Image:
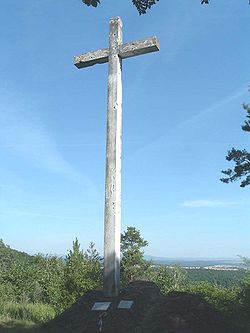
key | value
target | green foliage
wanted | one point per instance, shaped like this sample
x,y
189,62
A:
x,y
244,296
241,169
50,279
7,292
92,3
141,5
133,265
241,158
8,256
246,126
36,289
39,281
82,272
216,277
21,276
48,272
223,299
131,241
93,263
169,278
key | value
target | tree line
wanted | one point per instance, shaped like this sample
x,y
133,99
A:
x,y
45,285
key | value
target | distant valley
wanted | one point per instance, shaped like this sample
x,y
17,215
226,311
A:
x,y
209,263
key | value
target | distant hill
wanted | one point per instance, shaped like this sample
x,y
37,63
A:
x,y
196,262
9,255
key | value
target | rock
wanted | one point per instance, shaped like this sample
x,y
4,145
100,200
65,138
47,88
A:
x,y
181,312
150,313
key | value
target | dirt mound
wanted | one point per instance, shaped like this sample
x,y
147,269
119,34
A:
x,y
150,313
185,313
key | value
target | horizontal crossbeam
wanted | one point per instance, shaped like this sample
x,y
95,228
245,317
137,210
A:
x,y
139,47
91,58
126,50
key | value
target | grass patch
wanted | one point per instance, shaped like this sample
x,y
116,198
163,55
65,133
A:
x,y
17,326
24,317
27,312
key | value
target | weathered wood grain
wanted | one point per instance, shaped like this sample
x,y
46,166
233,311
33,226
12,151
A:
x,y
126,50
91,58
139,47
112,216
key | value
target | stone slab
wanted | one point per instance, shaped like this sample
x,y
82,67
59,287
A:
x,y
101,306
125,304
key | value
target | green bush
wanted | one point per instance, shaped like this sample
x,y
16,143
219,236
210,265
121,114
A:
x,y
169,278
244,297
82,273
49,280
7,293
223,299
38,282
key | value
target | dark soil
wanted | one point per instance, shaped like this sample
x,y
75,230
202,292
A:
x,y
150,313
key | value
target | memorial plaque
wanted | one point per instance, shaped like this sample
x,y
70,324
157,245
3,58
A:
x,y
125,304
101,306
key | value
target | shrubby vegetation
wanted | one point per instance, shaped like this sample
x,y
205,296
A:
x,y
224,299
82,272
36,288
244,294
219,278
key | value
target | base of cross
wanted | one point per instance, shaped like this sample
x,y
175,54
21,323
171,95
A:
x,y
140,308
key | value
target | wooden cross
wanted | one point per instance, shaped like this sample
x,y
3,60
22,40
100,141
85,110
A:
x,y
114,55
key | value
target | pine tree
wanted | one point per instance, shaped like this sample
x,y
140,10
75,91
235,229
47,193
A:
x,y
241,158
82,272
133,265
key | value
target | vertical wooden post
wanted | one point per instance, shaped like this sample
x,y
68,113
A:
x,y
112,219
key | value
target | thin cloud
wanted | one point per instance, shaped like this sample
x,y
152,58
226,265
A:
x,y
209,203
175,38
26,136
217,105
198,117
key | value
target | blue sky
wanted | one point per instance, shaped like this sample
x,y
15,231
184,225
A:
x,y
181,114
